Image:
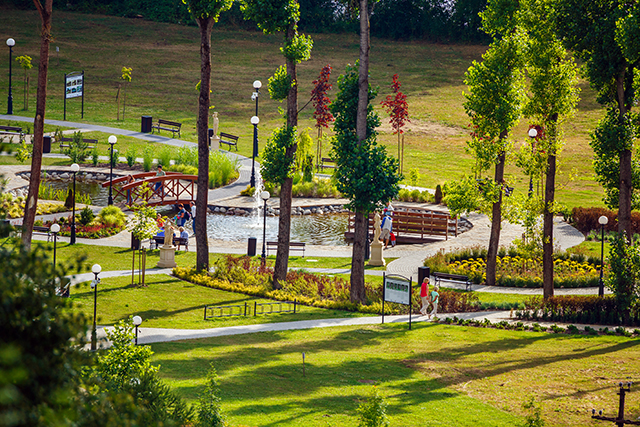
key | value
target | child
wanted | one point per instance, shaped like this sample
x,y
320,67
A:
x,y
435,296
424,295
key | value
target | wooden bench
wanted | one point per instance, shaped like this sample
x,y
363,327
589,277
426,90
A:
x,y
12,131
159,240
43,230
456,278
168,126
85,141
324,166
293,246
230,140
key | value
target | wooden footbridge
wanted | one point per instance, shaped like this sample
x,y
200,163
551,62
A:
x,y
146,187
415,225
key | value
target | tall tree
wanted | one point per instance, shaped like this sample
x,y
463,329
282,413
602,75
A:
x,y
321,104
494,104
398,109
605,34
206,13
38,124
364,173
552,98
273,16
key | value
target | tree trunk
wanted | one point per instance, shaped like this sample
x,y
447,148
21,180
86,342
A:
x,y
202,243
38,124
496,220
360,228
547,228
284,221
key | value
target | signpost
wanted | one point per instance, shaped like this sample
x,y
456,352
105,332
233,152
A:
x,y
396,289
73,88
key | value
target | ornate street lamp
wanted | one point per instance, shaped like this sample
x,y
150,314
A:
x,y
603,220
55,229
112,141
137,321
254,121
264,196
74,168
533,133
10,42
96,269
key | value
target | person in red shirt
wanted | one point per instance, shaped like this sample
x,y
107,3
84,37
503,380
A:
x,y
424,295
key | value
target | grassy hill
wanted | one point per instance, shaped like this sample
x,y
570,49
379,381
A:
x,y
165,62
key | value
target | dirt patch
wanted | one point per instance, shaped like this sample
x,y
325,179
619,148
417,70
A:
x,y
430,129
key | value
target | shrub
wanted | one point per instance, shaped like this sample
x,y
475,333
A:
x,y
438,195
187,156
248,192
86,216
131,155
112,216
95,156
586,219
164,157
222,169
373,412
185,169
147,158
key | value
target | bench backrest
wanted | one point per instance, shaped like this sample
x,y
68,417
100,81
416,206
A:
x,y
11,128
328,160
226,135
88,141
170,123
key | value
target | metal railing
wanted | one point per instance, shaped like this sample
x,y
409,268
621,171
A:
x,y
246,309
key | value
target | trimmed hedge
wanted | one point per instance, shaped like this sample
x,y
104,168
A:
x,y
586,219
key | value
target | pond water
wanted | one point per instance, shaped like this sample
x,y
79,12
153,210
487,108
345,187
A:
x,y
99,195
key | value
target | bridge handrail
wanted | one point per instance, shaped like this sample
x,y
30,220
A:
x,y
137,176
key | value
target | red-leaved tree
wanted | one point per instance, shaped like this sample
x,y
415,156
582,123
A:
x,y
321,106
398,109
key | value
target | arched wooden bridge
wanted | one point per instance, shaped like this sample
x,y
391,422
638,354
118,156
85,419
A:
x,y
135,189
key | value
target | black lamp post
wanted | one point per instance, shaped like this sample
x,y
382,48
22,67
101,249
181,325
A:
x,y
10,42
72,240
254,121
264,196
55,229
112,141
533,133
137,321
96,269
603,220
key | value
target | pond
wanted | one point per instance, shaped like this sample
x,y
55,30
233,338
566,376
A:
x,y
99,195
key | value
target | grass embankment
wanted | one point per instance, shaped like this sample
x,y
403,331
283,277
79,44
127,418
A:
x,y
431,376
166,68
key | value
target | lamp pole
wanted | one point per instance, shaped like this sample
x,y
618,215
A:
x,y
10,42
264,196
603,220
254,121
137,321
112,141
533,133
96,269
72,241
55,229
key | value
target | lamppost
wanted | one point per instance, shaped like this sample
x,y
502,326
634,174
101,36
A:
x,y
10,42
137,320
533,133
254,121
55,229
112,141
264,196
603,220
74,168
96,269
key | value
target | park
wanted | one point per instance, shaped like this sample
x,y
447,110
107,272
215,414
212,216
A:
x,y
505,195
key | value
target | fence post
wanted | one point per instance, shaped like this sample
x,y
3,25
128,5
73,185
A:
x,y
255,308
294,306
205,312
245,309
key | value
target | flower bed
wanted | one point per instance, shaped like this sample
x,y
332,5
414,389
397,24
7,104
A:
x,y
513,270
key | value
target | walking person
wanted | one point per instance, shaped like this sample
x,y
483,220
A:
x,y
424,295
435,297
386,226
160,172
193,216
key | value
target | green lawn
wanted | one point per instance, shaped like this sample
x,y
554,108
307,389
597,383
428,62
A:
x,y
166,68
434,375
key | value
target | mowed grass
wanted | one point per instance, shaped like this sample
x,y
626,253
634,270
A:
x,y
165,62
433,375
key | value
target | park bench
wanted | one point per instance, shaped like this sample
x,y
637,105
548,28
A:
x,y
293,246
167,125
230,140
456,278
12,131
43,230
331,163
159,240
62,142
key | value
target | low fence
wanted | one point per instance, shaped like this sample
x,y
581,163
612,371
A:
x,y
248,309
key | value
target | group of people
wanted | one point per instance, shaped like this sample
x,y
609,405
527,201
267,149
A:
x,y
429,298
181,232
